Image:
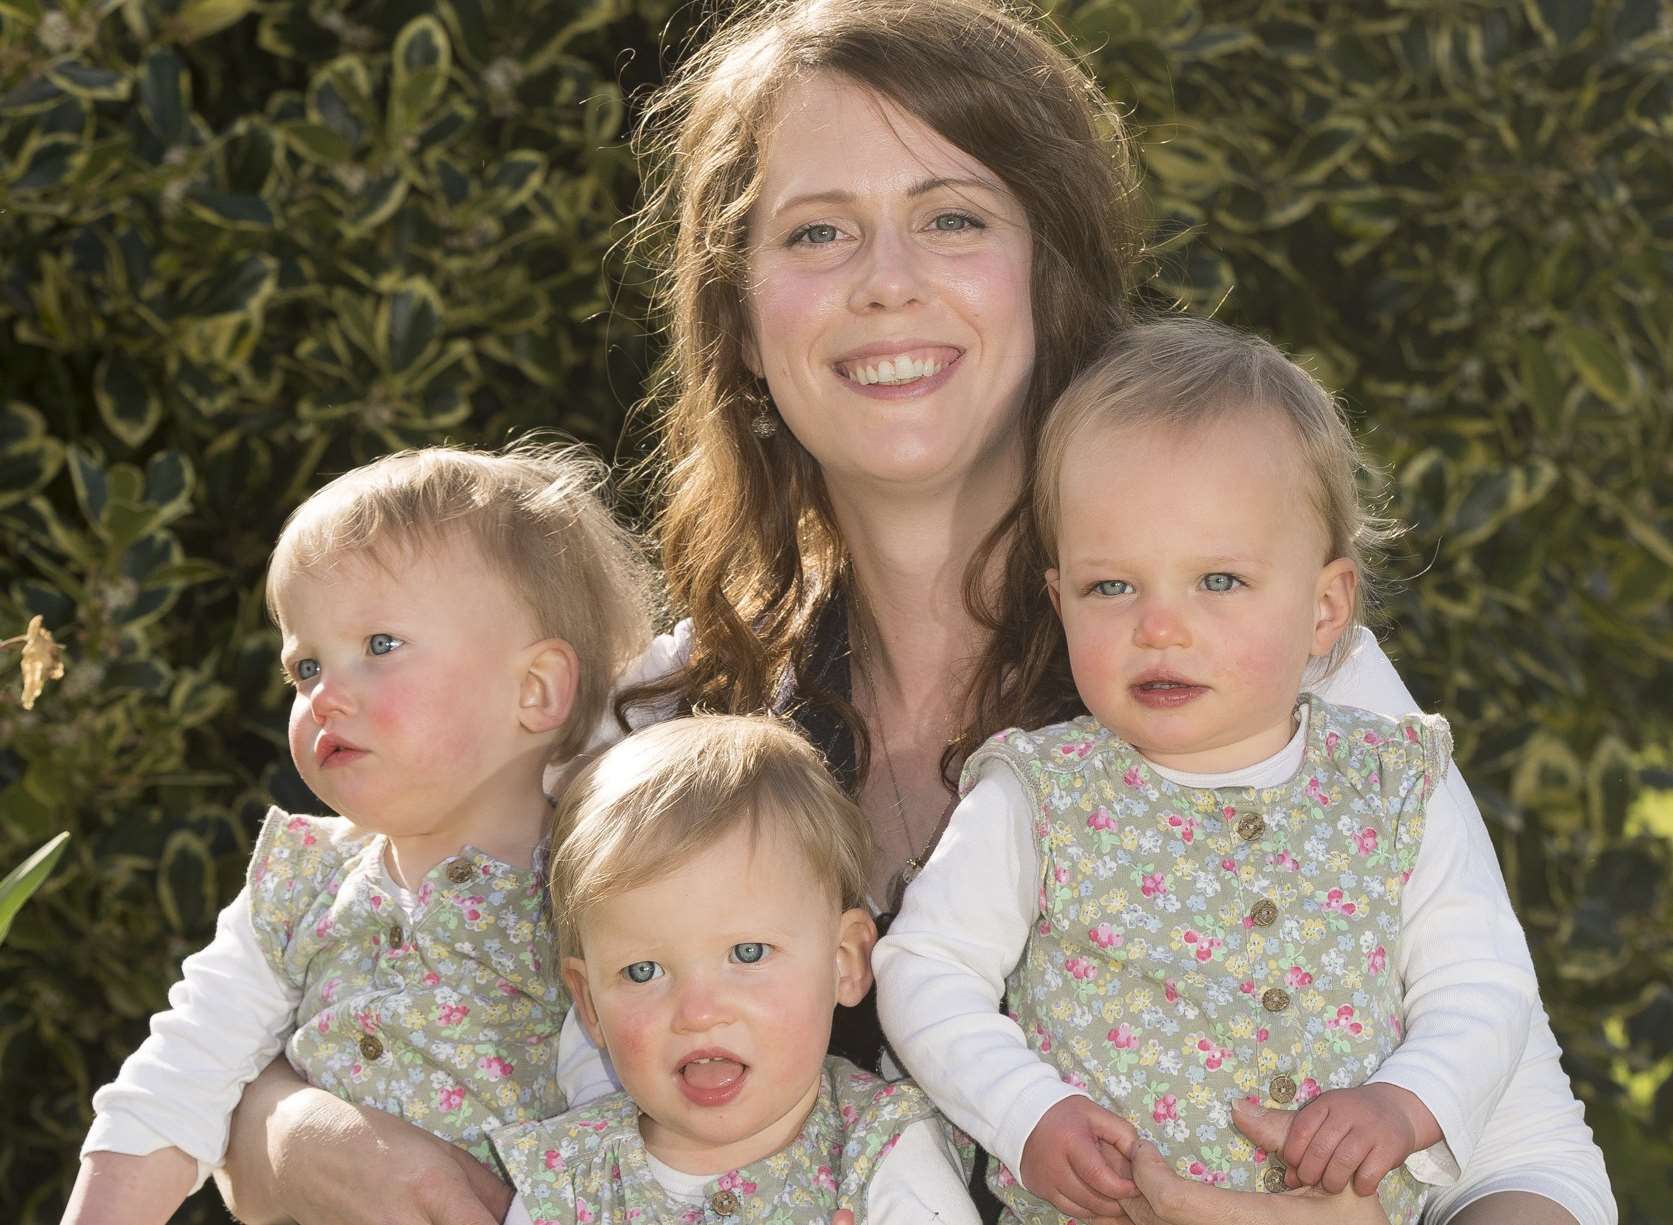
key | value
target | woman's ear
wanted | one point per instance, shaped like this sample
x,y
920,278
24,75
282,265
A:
x,y
1333,601
575,978
1053,589
547,691
856,933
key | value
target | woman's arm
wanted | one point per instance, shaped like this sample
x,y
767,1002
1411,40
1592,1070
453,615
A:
x,y
300,1154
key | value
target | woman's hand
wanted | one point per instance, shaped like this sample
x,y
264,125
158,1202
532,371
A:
x,y
300,1154
1166,1198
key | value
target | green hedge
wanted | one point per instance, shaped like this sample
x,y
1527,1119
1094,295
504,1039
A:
x,y
242,248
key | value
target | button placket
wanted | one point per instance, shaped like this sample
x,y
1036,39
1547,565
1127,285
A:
x,y
724,1203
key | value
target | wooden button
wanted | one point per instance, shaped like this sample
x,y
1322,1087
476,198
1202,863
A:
x,y
460,871
725,1203
1275,999
1250,826
1265,913
395,936
1282,1089
1272,1178
370,1047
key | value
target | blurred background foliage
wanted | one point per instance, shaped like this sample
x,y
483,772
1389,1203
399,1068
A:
x,y
246,245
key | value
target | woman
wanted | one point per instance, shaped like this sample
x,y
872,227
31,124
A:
x,y
892,230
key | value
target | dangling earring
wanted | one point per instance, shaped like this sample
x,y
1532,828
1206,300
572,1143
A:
x,y
764,422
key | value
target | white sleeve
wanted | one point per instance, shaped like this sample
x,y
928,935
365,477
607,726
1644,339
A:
x,y
518,1215
227,1017
1470,990
921,1179
667,653
941,971
1537,1141
584,1071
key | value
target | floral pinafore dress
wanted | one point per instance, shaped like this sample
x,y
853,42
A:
x,y
1194,946
590,1167
446,1019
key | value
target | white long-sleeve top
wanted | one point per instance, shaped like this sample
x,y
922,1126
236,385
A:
x,y
1470,992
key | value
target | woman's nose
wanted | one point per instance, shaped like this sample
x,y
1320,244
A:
x,y
890,272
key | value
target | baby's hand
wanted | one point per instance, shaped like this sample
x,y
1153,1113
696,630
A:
x,y
1068,1161
1356,1134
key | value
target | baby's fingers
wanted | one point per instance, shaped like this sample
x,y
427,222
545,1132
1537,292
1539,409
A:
x,y
1303,1127
1090,1162
1375,1167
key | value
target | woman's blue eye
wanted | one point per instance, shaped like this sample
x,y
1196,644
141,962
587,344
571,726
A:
x,y
1112,587
642,971
749,953
818,234
952,223
382,644
1220,582
305,669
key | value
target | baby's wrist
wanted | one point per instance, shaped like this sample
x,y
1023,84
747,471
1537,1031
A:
x,y
1425,1129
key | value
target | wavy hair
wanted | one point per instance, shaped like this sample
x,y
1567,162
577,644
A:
x,y
750,548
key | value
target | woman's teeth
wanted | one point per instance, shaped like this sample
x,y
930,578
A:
x,y
893,372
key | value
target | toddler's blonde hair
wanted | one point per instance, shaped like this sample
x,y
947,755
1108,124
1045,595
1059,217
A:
x,y
1180,373
663,795
532,511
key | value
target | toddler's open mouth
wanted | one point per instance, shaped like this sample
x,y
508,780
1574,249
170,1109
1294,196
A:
x,y
711,1077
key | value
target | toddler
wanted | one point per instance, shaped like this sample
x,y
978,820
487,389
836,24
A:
x,y
708,879
1215,887
451,622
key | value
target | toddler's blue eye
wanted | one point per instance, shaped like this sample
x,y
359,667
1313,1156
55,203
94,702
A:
x,y
749,953
1112,586
382,644
306,669
642,971
1220,582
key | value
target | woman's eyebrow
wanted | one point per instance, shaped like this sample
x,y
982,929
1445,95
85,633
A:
x,y
921,188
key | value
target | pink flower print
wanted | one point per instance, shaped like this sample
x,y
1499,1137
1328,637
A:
x,y
1123,1038
850,1116
449,1100
1376,960
734,1181
1229,865
1073,1081
824,1179
1101,819
1081,969
1366,840
1228,813
328,993
377,901
1331,740
297,824
1184,827
452,1014
471,906
1344,1020
1283,859
495,1067
425,892
1315,791
1165,1109
367,1020
1308,1091
1261,1035
324,1023
1372,739
1075,749
1044,1035
505,988
1247,986
1153,885
1170,991
1411,735
1295,976
1212,1056
323,929
1060,875
1106,937
583,1211
554,1159
1333,901
1005,1178
432,979
1132,778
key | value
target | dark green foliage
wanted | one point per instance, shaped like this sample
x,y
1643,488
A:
x,y
242,249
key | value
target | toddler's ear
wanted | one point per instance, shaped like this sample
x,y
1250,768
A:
x,y
547,690
575,978
856,933
1333,603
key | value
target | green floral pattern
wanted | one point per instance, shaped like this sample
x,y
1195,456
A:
x,y
448,1018
589,1166
1194,946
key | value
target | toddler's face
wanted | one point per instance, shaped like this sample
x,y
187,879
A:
x,y
408,684
1194,586
712,990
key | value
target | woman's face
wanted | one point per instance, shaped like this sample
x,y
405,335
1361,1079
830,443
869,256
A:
x,y
889,295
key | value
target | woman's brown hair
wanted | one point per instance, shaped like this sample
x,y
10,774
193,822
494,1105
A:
x,y
750,549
